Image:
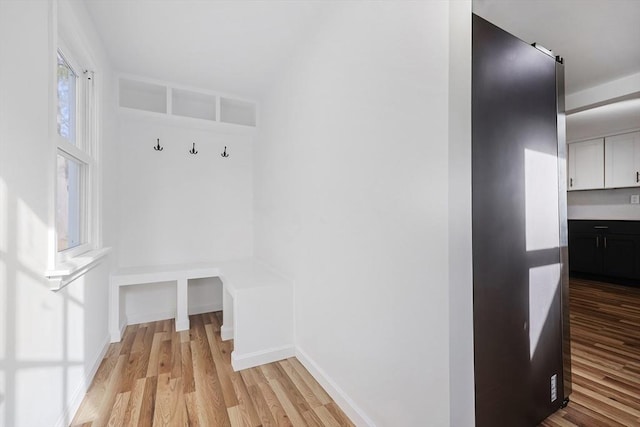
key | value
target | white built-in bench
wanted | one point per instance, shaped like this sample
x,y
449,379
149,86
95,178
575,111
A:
x,y
257,305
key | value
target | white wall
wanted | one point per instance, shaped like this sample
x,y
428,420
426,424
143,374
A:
x,y
461,377
603,204
174,207
606,120
50,343
351,201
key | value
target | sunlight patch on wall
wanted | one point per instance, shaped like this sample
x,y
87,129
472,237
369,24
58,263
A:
x,y
543,285
76,293
4,211
3,310
75,378
39,314
39,385
75,332
541,198
3,394
3,296
30,238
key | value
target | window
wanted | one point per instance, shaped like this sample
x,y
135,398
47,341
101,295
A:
x,y
68,200
75,158
67,107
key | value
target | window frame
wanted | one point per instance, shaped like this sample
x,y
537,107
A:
x,y
84,151
68,37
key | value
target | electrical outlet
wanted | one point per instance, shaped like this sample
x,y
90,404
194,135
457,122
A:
x,y
635,199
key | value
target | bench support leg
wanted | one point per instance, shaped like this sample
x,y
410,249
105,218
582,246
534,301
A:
x,y
114,312
182,315
226,331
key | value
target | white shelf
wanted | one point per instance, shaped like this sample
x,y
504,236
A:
x,y
184,122
199,107
237,112
196,105
143,96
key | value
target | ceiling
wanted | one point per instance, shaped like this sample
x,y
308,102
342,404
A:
x,y
605,120
239,46
234,47
597,38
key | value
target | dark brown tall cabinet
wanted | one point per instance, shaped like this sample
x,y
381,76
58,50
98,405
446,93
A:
x,y
521,351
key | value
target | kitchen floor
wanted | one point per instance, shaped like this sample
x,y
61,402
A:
x,y
605,357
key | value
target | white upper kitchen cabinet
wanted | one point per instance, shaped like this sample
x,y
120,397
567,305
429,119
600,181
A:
x,y
622,160
586,165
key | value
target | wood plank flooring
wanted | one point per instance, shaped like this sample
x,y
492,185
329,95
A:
x,y
158,377
605,357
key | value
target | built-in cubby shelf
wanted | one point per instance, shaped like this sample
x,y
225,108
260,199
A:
x,y
143,96
187,103
237,112
165,100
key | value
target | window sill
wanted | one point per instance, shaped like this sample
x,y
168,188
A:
x,y
68,271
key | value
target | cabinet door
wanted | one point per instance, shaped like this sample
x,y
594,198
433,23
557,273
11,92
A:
x,y
586,165
622,160
585,255
620,256
517,306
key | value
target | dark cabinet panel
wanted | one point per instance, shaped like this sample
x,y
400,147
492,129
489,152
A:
x,y
605,248
518,353
619,256
584,253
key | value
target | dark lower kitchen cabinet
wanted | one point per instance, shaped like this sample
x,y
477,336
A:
x,y
620,256
584,252
605,248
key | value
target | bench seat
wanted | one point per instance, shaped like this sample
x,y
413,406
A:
x,y
257,305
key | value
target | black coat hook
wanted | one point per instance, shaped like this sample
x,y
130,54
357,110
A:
x,y
158,147
224,153
193,150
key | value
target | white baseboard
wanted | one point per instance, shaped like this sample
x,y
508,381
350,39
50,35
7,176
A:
x,y
122,328
353,411
238,362
249,360
72,407
116,336
226,333
207,308
137,318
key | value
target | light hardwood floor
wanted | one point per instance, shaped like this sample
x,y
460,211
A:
x,y
158,377
605,357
